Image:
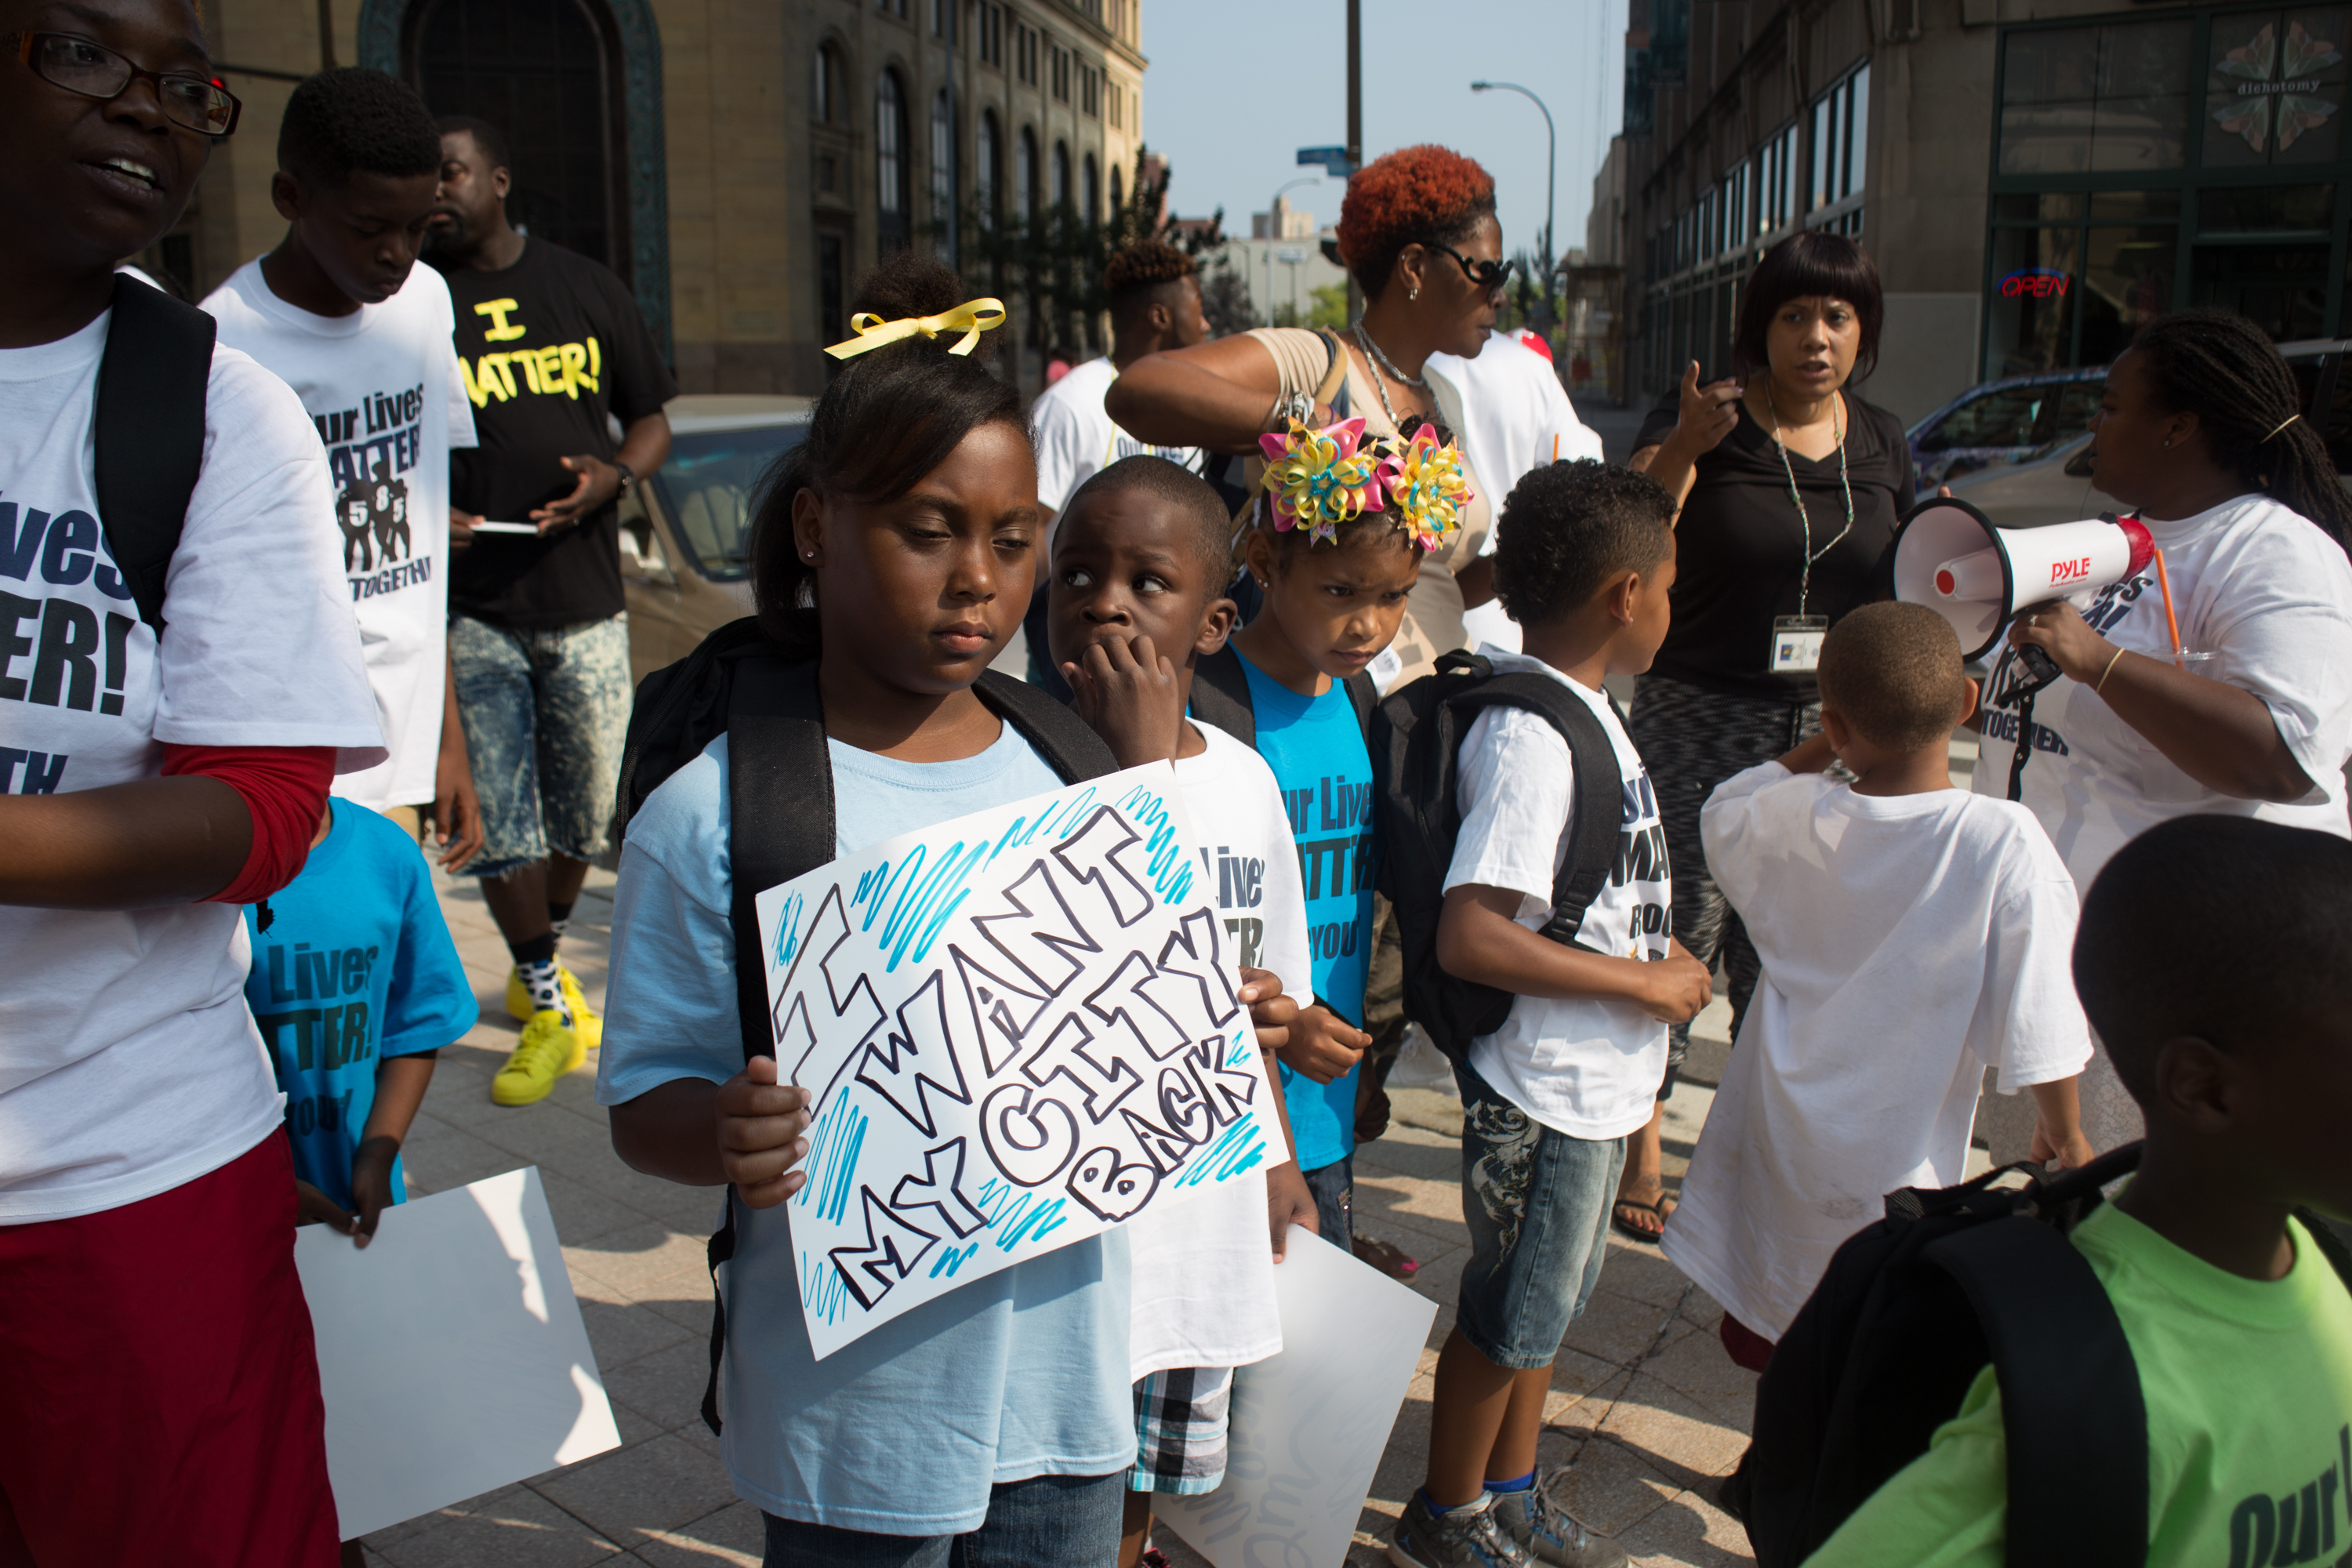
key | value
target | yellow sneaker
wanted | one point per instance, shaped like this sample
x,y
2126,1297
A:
x,y
548,1050
583,1017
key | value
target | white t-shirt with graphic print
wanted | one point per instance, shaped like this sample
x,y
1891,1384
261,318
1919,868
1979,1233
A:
x,y
382,387
1203,1272
128,1061
1587,1068
1078,438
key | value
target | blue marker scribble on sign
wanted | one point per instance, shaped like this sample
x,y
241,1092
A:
x,y
925,905
788,929
834,1143
1041,1219
953,1259
822,1290
1170,869
1240,1150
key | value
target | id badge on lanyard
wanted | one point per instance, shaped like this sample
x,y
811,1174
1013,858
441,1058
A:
x,y
1797,644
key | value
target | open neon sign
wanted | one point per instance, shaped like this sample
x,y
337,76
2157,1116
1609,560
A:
x,y
2034,283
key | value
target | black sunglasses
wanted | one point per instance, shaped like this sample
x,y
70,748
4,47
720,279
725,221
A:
x,y
1488,275
93,70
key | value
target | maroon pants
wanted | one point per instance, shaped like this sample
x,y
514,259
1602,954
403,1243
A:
x,y
159,1393
1748,1348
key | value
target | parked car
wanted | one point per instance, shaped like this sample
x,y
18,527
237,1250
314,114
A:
x,y
684,530
2053,484
2004,422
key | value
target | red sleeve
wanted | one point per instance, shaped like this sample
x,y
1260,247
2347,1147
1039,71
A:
x,y
285,791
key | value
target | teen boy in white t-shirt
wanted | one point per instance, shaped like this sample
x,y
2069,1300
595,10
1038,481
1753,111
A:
x,y
341,311
1584,557
1138,566
1913,934
159,1396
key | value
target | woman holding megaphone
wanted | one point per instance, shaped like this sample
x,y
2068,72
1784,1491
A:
x,y
1790,487
2217,678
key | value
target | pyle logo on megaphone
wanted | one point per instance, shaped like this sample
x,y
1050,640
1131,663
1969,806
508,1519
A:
x,y
1950,558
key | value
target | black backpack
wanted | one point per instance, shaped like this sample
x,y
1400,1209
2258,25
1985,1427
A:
x,y
1417,733
148,433
1909,1312
779,790
1220,696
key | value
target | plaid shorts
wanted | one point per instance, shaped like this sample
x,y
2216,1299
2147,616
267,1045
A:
x,y
1180,1418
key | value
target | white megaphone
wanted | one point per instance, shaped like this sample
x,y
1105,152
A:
x,y
1949,557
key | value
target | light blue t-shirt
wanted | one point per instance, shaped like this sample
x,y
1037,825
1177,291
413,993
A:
x,y
357,965
1020,1373
1316,748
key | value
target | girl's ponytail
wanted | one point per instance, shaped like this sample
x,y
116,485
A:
x,y
890,417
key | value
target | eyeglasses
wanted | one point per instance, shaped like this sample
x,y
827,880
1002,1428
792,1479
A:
x,y
1488,275
94,71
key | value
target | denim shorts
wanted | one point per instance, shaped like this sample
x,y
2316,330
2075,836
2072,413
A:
x,y
546,712
1050,1521
1333,1188
1536,1203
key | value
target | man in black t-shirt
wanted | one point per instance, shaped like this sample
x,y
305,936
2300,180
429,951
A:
x,y
551,345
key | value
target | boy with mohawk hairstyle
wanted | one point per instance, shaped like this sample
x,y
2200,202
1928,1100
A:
x,y
1912,934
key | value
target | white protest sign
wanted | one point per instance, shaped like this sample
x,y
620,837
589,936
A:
x,y
451,1353
1309,1425
1018,1028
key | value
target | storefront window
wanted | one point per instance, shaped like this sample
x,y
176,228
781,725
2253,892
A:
x,y
2126,281
2276,94
2090,100
2265,210
2031,316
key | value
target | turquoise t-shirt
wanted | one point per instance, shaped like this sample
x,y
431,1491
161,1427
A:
x,y
1317,751
357,965
1020,1373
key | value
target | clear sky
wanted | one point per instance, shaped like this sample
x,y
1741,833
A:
x,y
1236,87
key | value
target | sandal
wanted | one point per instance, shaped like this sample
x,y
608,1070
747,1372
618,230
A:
x,y
1623,1226
1386,1256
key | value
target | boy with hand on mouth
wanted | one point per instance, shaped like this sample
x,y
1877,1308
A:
x,y
1139,564
342,315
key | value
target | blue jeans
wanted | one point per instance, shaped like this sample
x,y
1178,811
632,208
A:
x,y
1051,1521
546,712
1333,1187
1536,1203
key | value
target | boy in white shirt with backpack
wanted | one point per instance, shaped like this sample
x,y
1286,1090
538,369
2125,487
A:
x,y
1912,934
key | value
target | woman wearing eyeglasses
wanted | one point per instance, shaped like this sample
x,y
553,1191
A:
x,y
1418,232
1792,487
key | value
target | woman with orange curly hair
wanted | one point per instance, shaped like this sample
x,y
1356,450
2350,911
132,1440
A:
x,y
1418,232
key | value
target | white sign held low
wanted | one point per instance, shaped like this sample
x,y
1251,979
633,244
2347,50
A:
x,y
1309,1425
451,1353
1018,1028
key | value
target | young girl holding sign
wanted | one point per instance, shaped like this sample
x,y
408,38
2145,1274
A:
x,y
896,548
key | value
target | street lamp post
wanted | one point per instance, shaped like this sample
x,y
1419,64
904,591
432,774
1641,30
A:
x,y
1551,165
1272,218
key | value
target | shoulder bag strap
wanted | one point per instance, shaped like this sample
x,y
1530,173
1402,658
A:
x,y
1073,750
1220,695
1332,391
1595,835
149,434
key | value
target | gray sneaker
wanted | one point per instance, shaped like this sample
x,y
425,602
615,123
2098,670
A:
x,y
1546,1530
1470,1536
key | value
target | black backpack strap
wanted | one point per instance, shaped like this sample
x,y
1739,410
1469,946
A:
x,y
148,433
780,803
1594,834
1364,696
2073,1417
1059,734
1220,695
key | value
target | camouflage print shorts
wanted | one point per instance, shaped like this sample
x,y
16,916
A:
x,y
546,712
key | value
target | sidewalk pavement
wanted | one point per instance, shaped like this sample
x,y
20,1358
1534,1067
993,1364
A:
x,y
1645,1406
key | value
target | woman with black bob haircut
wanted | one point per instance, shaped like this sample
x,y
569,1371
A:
x,y
896,548
1790,487
2201,430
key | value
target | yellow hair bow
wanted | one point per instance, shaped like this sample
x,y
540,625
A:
x,y
971,318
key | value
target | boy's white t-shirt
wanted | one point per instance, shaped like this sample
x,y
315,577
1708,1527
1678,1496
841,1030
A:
x,y
1908,942
1078,438
383,389
1202,1292
1586,1068
129,1064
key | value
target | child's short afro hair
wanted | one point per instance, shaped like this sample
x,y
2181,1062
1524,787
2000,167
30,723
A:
x,y
1211,530
1894,672
1413,195
2225,929
1568,528
354,120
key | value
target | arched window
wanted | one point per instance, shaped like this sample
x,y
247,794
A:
x,y
826,107
1024,177
1118,191
1090,191
1060,193
988,191
943,173
890,160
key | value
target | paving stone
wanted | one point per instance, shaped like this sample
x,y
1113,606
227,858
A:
x,y
658,1484
1610,1489
635,1258
1688,1531
1699,1366
1673,1434
665,1386
620,1333
734,1536
1617,1328
519,1530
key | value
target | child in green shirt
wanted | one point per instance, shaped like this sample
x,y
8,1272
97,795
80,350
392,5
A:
x,y
2214,959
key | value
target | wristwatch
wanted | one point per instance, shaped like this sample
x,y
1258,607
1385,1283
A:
x,y
628,479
